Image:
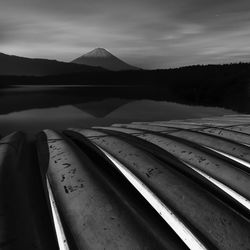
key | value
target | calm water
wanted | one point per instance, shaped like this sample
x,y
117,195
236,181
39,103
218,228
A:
x,y
20,97
32,109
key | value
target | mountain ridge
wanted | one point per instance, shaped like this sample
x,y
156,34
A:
x,y
23,66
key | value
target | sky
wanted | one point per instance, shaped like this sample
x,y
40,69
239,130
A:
x,y
146,33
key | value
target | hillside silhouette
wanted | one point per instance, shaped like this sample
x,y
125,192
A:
x,y
15,65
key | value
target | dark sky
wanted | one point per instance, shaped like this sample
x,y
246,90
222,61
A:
x,y
147,33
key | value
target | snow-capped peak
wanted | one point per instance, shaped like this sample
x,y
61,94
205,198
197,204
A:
x,y
98,52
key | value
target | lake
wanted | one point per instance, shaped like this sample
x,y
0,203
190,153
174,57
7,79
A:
x,y
33,108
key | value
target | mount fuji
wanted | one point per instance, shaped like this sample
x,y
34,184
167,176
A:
x,y
103,58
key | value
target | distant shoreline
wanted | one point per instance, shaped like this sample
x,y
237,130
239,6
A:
x,y
224,86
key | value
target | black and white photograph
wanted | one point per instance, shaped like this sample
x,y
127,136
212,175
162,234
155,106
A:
x,y
124,124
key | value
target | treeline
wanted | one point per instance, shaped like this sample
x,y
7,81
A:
x,y
212,85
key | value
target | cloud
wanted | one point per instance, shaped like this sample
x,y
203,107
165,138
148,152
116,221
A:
x,y
149,33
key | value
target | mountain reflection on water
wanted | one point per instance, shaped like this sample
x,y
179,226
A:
x,y
34,108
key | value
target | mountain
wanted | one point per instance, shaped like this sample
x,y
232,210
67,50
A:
x,y
103,58
15,65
